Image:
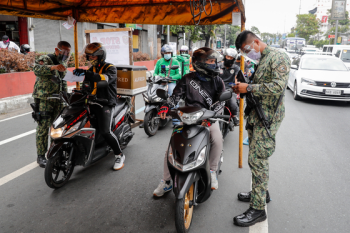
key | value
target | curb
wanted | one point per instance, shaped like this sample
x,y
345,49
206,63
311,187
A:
x,y
13,103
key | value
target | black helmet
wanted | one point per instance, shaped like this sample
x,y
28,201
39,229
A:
x,y
166,49
96,49
25,48
199,58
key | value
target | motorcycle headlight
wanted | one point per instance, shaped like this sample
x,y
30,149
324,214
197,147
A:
x,y
56,133
73,128
157,99
199,161
145,99
308,81
190,118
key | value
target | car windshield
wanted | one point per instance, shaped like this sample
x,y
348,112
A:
x,y
345,56
312,63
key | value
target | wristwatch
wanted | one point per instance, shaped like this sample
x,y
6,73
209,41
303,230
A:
x,y
249,88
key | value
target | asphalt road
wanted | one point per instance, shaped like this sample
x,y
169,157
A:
x,y
309,182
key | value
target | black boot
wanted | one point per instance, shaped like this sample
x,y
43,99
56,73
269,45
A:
x,y
245,197
141,125
41,161
236,121
250,217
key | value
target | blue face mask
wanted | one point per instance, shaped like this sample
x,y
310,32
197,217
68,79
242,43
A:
x,y
167,56
211,66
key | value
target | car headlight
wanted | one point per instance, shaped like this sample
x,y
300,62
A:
x,y
73,128
308,81
57,133
199,161
190,118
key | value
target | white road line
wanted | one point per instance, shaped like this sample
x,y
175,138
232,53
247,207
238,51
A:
x,y
15,116
17,173
261,227
17,137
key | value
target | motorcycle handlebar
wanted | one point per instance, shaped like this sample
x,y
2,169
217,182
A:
x,y
226,117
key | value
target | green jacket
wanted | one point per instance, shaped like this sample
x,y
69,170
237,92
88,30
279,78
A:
x,y
269,83
184,60
174,74
44,87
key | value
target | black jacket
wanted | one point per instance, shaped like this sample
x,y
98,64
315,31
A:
x,y
198,93
228,75
109,73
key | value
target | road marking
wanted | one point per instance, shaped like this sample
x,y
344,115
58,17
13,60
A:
x,y
140,110
15,116
17,173
17,137
261,227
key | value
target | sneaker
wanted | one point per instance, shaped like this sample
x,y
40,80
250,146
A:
x,y
236,121
214,180
119,162
162,188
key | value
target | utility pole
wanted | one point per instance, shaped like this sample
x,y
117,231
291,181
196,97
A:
x,y
299,6
225,37
336,32
168,34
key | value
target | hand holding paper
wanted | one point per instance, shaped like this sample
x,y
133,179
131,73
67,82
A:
x,y
70,77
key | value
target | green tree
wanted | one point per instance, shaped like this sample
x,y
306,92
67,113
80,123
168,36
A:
x,y
231,33
307,25
255,30
320,43
291,35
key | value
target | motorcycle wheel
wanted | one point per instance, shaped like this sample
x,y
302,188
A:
x,y
148,124
54,168
183,212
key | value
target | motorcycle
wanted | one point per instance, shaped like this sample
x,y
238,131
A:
x,y
75,137
188,159
152,122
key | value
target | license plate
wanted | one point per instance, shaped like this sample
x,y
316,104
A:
x,y
333,92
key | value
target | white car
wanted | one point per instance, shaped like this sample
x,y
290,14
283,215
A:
x,y
319,77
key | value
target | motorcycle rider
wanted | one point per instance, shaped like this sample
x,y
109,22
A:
x,y
7,44
201,88
184,59
25,49
228,73
162,69
103,71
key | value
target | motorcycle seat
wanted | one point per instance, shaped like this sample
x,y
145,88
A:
x,y
119,106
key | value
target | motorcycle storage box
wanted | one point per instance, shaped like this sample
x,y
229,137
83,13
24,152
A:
x,y
131,79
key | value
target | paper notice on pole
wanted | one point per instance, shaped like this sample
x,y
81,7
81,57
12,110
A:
x,y
70,77
69,23
67,26
116,44
236,18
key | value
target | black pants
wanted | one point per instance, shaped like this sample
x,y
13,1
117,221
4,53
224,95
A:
x,y
232,104
104,121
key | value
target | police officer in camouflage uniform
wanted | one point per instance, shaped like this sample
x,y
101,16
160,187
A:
x,y
49,71
269,83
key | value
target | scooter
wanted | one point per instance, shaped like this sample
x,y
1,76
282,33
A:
x,y
152,122
75,137
188,159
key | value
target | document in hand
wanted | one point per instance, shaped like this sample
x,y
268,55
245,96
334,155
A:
x,y
70,77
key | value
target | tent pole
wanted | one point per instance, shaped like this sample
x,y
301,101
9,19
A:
x,y
241,117
76,55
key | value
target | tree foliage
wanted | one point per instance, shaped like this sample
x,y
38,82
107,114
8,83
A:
x,y
231,33
320,43
346,21
255,30
307,25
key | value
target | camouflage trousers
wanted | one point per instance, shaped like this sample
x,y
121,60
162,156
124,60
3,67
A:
x,y
52,108
261,147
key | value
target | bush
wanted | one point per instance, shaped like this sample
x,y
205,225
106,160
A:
x,y
139,56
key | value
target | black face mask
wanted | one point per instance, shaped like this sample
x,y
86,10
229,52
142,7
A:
x,y
228,63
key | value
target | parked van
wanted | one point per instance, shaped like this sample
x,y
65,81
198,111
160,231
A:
x,y
340,51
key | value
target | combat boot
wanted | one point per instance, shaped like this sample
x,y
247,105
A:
x,y
250,217
245,197
41,160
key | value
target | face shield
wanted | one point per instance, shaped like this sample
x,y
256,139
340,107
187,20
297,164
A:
x,y
250,53
64,54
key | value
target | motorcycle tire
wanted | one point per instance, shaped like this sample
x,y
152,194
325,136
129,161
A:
x,y
183,212
147,123
51,169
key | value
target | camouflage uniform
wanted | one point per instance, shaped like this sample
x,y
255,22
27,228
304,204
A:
x,y
269,83
44,88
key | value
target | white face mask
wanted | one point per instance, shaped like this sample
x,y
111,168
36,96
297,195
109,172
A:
x,y
253,54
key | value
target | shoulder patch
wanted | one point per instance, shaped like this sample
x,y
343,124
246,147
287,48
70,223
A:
x,y
282,68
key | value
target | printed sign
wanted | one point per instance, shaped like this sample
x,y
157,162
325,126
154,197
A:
x,y
116,44
324,19
338,9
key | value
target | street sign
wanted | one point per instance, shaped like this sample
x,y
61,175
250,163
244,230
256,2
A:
x,y
331,36
218,44
338,9
284,36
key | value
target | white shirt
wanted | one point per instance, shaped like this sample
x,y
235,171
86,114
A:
x,y
12,45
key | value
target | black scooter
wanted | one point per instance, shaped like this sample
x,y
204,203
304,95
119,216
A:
x,y
75,138
152,122
188,159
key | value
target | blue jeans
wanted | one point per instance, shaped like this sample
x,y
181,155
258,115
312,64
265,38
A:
x,y
171,87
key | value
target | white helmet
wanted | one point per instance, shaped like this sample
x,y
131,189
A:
x,y
184,49
231,52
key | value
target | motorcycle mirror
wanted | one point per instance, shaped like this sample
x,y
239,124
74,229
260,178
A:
x,y
162,94
226,95
174,67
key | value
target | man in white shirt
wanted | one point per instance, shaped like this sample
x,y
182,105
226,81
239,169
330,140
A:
x,y
7,44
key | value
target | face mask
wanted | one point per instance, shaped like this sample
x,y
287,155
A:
x,y
7,41
228,63
167,56
94,62
211,66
